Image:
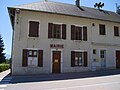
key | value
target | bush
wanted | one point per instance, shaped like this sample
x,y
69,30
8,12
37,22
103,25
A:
x,y
4,67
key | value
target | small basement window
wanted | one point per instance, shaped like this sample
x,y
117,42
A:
x,y
94,51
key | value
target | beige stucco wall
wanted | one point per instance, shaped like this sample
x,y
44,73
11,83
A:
x,y
22,41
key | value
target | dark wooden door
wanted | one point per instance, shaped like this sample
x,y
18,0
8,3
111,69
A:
x,y
117,59
56,62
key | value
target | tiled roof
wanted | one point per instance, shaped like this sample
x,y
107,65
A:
x,y
72,10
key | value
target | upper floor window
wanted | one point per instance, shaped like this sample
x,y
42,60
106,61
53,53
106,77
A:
x,y
102,30
57,31
116,31
78,33
33,29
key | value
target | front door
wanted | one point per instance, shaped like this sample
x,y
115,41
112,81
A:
x,y
56,60
103,58
117,59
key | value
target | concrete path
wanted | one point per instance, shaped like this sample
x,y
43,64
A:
x,y
111,82
65,76
4,73
5,78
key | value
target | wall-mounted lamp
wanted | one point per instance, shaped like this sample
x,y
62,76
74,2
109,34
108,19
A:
x,y
18,11
17,15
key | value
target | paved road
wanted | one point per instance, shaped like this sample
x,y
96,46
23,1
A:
x,y
105,80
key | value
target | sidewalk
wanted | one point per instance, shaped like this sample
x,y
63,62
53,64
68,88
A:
x,y
62,76
5,78
4,73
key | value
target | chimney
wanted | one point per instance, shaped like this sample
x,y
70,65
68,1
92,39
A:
x,y
77,3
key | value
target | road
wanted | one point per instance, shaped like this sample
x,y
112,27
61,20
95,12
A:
x,y
107,82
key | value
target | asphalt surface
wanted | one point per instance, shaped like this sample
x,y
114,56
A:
x,y
99,80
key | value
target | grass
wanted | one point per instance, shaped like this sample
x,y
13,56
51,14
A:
x,y
4,67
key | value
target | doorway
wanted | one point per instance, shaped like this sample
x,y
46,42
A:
x,y
117,59
103,58
56,61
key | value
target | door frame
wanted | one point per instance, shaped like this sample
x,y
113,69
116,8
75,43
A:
x,y
117,67
105,61
61,50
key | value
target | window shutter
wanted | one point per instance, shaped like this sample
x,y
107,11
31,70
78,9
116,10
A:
x,y
40,58
63,31
80,33
33,29
50,27
85,33
72,58
85,59
72,32
36,29
116,31
25,58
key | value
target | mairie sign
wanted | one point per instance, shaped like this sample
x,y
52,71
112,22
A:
x,y
56,46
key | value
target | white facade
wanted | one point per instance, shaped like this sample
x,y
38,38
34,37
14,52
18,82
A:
x,y
108,43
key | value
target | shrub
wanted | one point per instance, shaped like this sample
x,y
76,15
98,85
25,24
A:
x,y
4,67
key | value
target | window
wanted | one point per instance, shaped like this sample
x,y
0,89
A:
x,y
33,29
78,59
78,33
57,31
32,58
94,51
102,53
32,53
116,31
102,29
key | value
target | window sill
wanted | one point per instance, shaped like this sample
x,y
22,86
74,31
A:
x,y
79,66
32,66
116,36
54,39
77,41
102,35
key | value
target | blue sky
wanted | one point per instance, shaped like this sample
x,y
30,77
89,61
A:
x,y
5,25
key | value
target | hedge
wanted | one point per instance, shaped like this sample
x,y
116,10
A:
x,y
4,67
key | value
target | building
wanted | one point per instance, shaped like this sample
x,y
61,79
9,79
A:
x,y
52,37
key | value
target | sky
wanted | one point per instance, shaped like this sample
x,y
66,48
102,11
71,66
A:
x,y
5,24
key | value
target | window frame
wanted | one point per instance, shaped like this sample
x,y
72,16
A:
x,y
29,26
100,28
53,30
82,33
118,34
84,59
94,51
78,61
63,30
39,57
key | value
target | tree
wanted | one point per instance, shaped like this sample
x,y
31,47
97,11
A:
x,y
2,55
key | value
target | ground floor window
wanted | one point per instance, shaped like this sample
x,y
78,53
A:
x,y
78,59
32,58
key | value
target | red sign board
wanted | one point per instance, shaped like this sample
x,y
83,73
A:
x,y
56,46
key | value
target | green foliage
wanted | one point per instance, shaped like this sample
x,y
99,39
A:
x,y
2,55
8,61
4,67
